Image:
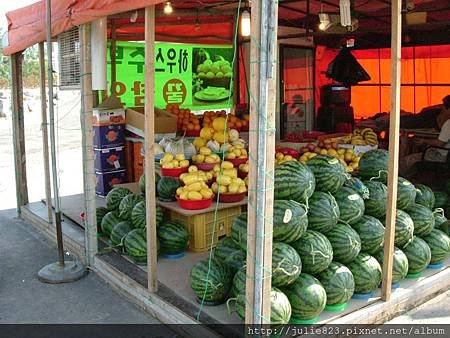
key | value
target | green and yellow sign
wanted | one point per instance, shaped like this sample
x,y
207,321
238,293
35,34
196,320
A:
x,y
198,77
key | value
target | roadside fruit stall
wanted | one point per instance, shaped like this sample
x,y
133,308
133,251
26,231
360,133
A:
x,y
192,209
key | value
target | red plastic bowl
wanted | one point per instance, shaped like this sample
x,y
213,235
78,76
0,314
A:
x,y
238,161
192,133
194,205
175,172
231,198
205,166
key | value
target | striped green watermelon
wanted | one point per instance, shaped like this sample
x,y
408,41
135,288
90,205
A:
x,y
100,212
230,254
239,281
173,237
399,264
280,308
424,196
371,232
289,221
139,215
439,218
439,244
345,242
293,181
286,264
210,280
440,200
307,297
374,163
315,251
338,282
351,205
127,204
406,193
376,204
115,196
367,273
119,232
109,221
135,244
404,228
329,172
357,185
323,212
423,219
445,228
419,255
167,188
239,231
142,182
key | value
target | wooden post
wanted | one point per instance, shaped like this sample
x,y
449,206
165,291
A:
x,y
18,130
44,129
149,170
113,56
90,218
261,147
394,133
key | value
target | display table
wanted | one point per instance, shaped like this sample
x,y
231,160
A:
x,y
173,206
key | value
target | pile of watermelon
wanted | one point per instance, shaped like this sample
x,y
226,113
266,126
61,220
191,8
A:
x,y
123,223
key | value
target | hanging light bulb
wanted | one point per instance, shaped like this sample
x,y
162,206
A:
x,y
168,9
325,22
245,23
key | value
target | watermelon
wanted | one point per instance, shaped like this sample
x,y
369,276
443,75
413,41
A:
x,y
440,200
210,280
345,242
329,172
399,264
135,244
230,254
424,196
239,281
406,193
357,185
404,229
239,231
307,297
439,218
289,221
315,251
114,197
439,244
109,221
286,264
127,204
374,163
371,232
418,253
280,308
423,219
367,273
173,237
119,232
139,215
338,282
376,204
100,212
323,212
351,205
293,181
167,188
142,182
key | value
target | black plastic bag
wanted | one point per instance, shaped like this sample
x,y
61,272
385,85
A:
x,y
345,69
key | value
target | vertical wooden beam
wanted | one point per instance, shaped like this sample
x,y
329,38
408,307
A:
x,y
44,129
261,147
394,133
18,130
113,56
89,179
149,170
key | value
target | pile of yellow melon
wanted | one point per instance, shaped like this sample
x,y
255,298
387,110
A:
x,y
205,155
195,187
237,151
227,181
168,161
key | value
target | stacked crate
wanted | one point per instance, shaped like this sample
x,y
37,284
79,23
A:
x,y
109,143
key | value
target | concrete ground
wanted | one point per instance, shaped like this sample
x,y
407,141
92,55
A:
x,y
23,299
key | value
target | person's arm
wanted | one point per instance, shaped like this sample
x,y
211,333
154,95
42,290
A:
x,y
432,142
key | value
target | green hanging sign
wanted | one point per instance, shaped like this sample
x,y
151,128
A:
x,y
198,77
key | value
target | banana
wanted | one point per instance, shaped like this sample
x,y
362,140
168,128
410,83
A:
x,y
366,130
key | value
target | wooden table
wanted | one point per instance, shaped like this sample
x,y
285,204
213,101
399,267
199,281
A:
x,y
173,206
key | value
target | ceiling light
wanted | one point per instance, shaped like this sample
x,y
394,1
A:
x,y
168,9
245,23
325,22
345,10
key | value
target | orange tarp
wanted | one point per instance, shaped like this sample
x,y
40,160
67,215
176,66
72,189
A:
x,y
26,26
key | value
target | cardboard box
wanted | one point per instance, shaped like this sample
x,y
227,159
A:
x,y
106,181
165,122
108,113
109,136
109,159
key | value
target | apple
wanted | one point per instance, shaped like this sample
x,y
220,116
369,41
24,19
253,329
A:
x,y
311,147
328,146
317,150
334,145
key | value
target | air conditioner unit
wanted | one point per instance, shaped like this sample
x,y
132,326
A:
x,y
69,59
